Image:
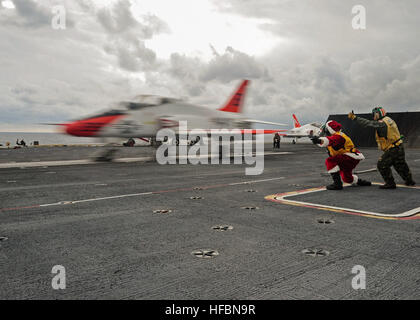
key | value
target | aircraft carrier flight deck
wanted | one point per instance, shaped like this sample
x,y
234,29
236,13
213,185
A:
x,y
134,229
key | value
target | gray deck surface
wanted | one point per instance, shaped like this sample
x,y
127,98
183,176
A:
x,y
118,248
391,202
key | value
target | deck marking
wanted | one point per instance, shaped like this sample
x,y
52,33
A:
x,y
34,164
70,202
281,198
255,181
67,162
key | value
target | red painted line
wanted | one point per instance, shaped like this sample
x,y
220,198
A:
x,y
18,208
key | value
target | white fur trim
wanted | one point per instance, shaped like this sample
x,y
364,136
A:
x,y
331,130
324,142
355,179
356,156
335,169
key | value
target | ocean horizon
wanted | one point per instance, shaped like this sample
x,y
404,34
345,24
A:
x,y
46,138
43,138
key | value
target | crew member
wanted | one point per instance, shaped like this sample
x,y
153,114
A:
x,y
390,142
129,143
276,141
21,143
343,156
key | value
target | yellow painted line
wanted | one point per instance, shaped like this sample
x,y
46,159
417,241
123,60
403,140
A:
x,y
281,198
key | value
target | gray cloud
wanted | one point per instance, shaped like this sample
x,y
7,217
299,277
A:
x,y
118,19
321,66
52,76
32,13
126,36
132,55
232,65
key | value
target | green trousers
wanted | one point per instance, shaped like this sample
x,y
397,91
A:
x,y
394,157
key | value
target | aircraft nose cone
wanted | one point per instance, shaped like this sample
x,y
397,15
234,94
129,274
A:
x,y
74,128
90,127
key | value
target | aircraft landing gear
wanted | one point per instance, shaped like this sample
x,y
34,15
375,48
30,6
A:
x,y
155,143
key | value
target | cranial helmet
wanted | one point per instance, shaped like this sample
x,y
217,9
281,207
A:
x,y
380,111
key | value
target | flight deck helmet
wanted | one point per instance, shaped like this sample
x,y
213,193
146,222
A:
x,y
379,111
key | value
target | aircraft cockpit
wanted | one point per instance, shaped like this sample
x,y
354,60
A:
x,y
151,100
145,101
142,101
316,124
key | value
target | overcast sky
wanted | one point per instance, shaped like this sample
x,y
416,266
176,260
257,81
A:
x,y
302,56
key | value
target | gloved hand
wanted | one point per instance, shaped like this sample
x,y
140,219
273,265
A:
x,y
316,140
351,115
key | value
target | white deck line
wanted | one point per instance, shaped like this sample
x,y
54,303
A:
x,y
67,202
34,164
405,214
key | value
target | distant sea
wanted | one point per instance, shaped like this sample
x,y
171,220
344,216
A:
x,y
58,138
43,138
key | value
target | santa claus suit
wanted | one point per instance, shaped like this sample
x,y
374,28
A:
x,y
343,156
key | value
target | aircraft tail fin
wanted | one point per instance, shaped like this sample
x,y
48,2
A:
x,y
235,102
296,123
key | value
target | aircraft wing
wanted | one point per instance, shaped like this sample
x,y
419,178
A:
x,y
229,132
262,131
264,122
296,136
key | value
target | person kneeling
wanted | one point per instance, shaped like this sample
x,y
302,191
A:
x,y
343,156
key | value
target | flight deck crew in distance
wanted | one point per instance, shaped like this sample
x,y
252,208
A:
x,y
343,156
390,142
276,141
21,143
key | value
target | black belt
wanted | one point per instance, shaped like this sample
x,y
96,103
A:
x,y
394,146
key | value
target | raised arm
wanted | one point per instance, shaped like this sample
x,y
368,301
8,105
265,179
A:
x,y
369,123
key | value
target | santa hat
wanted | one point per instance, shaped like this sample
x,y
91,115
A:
x,y
333,126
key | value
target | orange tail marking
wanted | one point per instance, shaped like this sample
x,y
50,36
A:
x,y
296,122
235,102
